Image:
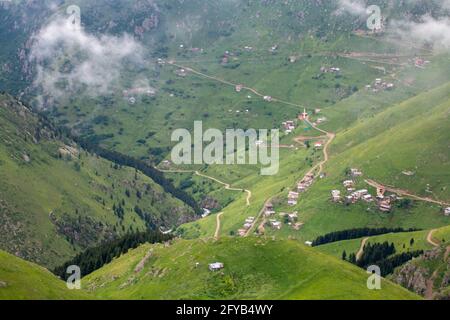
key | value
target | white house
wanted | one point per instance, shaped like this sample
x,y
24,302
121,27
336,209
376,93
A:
x,y
293,195
309,243
276,225
216,266
318,145
348,183
336,195
447,211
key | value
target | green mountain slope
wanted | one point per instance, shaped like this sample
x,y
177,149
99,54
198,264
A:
x,y
254,269
407,147
21,280
411,136
56,199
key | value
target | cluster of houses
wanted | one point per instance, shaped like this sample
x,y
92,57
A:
x,y
288,126
305,183
292,219
380,85
276,224
247,226
268,212
353,196
384,203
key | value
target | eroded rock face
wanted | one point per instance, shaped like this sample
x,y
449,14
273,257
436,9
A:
x,y
432,254
430,269
413,278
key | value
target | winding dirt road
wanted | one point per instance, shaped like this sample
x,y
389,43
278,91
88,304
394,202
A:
x,y
254,91
361,249
404,193
326,156
430,238
227,186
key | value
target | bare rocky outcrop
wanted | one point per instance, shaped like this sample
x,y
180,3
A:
x,y
428,275
413,278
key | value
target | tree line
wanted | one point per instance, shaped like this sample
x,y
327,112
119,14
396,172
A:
x,y
356,233
381,255
94,258
148,170
92,146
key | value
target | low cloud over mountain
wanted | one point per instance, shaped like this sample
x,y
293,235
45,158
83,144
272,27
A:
x,y
68,59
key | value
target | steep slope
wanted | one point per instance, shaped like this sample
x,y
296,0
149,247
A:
x,y
405,147
56,199
411,136
21,280
429,274
253,269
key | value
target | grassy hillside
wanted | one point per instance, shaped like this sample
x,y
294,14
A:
x,y
409,136
402,242
56,199
254,269
427,275
21,280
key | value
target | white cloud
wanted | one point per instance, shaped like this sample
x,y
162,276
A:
x,y
69,59
428,30
354,7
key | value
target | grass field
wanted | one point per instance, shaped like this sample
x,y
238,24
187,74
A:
x,y
53,206
402,242
21,280
254,269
